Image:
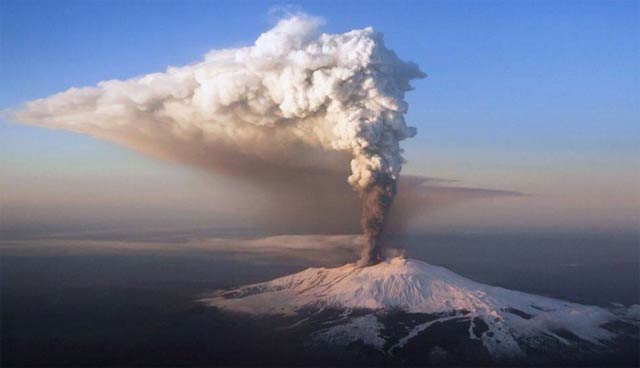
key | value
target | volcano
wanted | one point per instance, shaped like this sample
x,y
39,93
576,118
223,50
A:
x,y
390,304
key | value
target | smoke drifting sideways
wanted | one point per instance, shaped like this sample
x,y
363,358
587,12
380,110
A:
x,y
296,101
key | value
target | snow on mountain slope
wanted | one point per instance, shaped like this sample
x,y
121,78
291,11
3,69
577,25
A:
x,y
413,286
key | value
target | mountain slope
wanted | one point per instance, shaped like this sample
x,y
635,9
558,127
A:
x,y
502,320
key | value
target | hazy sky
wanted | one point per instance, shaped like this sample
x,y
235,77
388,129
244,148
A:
x,y
538,97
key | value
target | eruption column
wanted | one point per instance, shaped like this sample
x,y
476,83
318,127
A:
x,y
274,104
376,201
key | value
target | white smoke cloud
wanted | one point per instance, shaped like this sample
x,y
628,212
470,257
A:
x,y
282,102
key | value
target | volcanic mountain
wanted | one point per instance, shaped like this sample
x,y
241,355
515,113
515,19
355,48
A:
x,y
387,305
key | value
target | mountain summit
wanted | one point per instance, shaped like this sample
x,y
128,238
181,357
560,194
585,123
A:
x,y
507,323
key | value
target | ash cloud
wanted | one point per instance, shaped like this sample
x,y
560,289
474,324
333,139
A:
x,y
296,101
376,202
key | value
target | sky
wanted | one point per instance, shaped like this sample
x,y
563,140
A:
x,y
535,97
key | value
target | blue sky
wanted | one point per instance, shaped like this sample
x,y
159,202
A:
x,y
518,91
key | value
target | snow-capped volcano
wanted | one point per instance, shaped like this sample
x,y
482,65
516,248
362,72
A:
x,y
504,321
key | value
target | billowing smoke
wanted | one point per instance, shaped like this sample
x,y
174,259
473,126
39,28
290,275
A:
x,y
376,201
295,101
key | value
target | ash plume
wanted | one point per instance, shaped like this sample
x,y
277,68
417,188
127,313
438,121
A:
x,y
294,101
376,201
